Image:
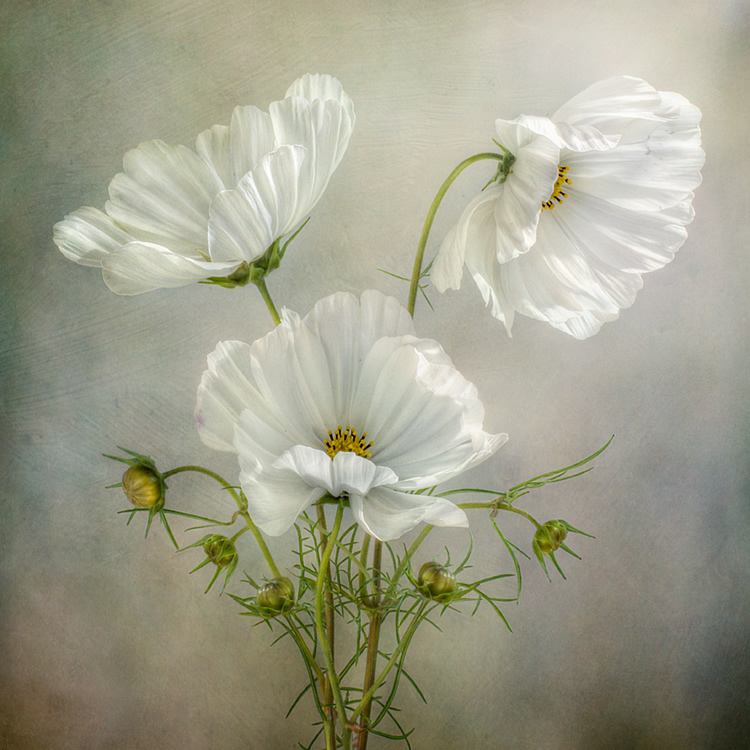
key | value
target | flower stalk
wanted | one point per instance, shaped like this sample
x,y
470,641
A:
x,y
416,273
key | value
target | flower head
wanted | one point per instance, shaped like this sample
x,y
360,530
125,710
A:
x,y
346,401
177,216
598,195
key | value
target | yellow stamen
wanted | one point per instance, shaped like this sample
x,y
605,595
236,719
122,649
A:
x,y
557,192
346,440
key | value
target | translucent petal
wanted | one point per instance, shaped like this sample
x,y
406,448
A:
x,y
142,267
276,497
346,473
164,196
263,207
87,236
388,514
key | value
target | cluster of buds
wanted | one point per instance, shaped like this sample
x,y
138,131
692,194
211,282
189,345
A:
x,y
549,538
435,581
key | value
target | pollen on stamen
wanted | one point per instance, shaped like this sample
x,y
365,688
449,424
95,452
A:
x,y
557,192
347,441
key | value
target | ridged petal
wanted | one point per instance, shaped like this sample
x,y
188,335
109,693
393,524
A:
x,y
163,196
388,514
263,207
142,267
87,236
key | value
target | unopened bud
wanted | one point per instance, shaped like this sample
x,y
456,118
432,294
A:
x,y
220,550
144,487
435,581
549,537
277,595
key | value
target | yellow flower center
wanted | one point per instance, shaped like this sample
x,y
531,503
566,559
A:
x,y
346,440
558,193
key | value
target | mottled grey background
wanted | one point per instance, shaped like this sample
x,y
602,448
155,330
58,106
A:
x,y
108,643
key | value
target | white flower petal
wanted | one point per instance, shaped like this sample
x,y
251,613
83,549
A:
x,y
346,473
423,418
87,236
630,158
142,267
163,197
276,497
324,129
313,86
519,199
388,514
263,207
353,363
562,134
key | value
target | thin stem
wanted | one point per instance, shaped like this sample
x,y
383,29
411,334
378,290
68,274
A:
x,y
410,552
417,270
403,644
373,637
330,620
241,504
313,666
275,572
320,627
263,289
241,501
501,506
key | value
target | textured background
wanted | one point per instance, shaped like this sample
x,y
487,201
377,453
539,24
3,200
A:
x,y
107,641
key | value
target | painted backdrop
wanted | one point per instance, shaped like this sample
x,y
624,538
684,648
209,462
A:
x,y
107,640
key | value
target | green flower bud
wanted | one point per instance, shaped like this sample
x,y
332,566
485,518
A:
x,y
549,537
435,581
144,487
277,595
220,550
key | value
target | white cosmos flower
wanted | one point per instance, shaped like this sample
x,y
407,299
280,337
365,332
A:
x,y
346,401
599,194
176,217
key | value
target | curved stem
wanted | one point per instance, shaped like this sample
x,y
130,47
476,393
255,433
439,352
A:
x,y
241,500
275,572
263,289
241,503
501,506
320,626
410,552
417,270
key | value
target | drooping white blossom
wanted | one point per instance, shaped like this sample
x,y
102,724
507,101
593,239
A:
x,y
177,216
345,401
599,194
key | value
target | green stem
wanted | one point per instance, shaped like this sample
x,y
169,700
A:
x,y
320,627
403,644
417,270
263,289
501,506
330,621
410,552
241,501
275,572
373,637
242,505
314,672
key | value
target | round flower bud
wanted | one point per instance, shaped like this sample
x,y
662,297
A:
x,y
549,537
220,550
277,595
435,581
143,486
